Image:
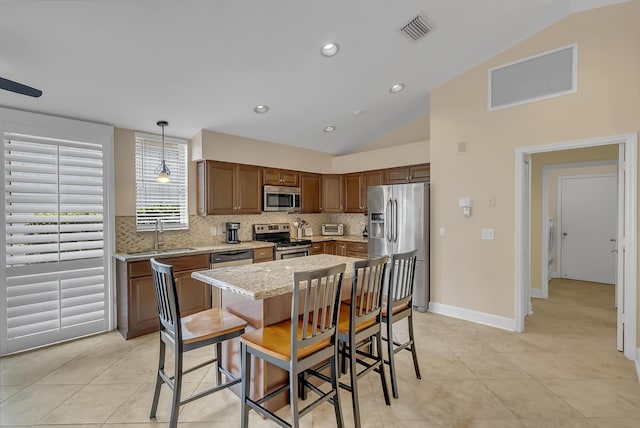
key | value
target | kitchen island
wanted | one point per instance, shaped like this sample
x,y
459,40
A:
x,y
261,295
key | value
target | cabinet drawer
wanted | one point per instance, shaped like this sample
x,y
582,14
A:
x,y
262,254
180,263
317,248
357,247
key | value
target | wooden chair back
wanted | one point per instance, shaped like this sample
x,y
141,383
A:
x,y
401,278
167,298
316,296
366,289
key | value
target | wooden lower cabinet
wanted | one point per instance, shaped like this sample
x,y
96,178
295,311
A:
x,y
357,249
263,255
317,248
340,248
329,247
347,248
137,308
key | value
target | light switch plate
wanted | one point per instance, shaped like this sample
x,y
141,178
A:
x,y
488,233
442,231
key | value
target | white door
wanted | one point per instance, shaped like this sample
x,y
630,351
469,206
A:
x,y
588,218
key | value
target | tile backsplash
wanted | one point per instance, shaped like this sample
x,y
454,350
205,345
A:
x,y
201,229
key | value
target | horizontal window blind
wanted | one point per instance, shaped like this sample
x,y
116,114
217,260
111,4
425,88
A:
x,y
164,201
54,239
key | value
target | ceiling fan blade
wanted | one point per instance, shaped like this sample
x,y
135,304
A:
x,y
19,88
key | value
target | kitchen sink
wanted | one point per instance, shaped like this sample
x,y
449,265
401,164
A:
x,y
156,252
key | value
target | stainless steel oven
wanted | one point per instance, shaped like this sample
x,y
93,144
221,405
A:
x,y
279,234
291,252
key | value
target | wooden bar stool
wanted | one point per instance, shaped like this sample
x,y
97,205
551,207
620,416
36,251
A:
x,y
209,327
396,306
296,345
360,323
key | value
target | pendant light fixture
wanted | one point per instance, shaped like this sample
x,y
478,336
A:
x,y
163,170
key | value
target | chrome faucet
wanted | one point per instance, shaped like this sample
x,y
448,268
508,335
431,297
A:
x,y
158,231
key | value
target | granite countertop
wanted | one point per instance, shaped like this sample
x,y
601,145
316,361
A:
x,y
269,279
323,238
195,249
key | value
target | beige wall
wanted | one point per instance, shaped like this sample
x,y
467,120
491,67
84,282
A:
x,y
539,160
468,272
404,154
231,148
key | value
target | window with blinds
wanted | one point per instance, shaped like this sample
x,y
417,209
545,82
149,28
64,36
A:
x,y
54,240
167,202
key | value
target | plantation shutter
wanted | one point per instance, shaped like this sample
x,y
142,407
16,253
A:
x,y
55,272
167,202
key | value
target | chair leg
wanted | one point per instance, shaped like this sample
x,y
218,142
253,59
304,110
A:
x,y
245,388
293,398
413,346
159,381
383,378
353,374
177,389
343,357
301,384
334,385
392,365
218,356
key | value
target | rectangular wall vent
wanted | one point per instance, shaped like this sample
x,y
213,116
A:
x,y
550,74
417,28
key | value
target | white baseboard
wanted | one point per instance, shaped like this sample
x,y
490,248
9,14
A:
x,y
473,316
535,292
555,275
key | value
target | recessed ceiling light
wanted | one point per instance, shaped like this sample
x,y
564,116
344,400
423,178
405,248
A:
x,y
329,128
261,109
358,112
396,88
330,49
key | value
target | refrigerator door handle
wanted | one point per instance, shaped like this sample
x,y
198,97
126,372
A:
x,y
395,220
389,221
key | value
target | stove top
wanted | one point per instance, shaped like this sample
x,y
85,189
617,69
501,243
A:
x,y
290,243
279,234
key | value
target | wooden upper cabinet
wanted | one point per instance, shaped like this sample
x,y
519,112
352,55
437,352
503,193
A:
x,y
353,201
408,174
310,193
280,177
332,193
248,189
228,188
372,178
355,189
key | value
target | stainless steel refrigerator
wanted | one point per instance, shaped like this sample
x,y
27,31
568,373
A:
x,y
399,222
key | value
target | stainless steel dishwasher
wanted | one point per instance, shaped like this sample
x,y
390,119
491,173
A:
x,y
226,259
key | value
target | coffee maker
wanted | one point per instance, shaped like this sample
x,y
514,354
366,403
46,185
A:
x,y
232,233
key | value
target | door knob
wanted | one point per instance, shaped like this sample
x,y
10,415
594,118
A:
x,y
564,233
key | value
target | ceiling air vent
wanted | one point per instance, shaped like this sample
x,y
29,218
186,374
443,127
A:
x,y
417,28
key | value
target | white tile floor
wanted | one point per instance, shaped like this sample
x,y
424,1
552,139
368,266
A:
x,y
562,372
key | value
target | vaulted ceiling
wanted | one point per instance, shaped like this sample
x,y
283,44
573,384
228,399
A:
x,y
202,64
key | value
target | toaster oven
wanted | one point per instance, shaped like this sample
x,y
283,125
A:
x,y
333,229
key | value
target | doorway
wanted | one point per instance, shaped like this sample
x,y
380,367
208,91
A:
x,y
626,233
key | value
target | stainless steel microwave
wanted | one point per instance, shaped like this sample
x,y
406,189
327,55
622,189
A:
x,y
280,198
